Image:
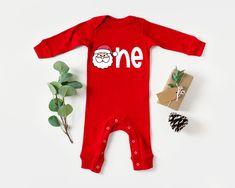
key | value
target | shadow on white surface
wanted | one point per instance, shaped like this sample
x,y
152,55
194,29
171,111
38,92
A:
x,y
193,93
194,128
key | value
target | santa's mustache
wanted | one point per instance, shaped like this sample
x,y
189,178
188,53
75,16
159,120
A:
x,y
102,59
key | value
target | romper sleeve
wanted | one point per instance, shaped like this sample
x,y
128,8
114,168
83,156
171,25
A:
x,y
67,40
171,39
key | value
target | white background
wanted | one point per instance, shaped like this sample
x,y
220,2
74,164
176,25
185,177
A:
x,y
34,154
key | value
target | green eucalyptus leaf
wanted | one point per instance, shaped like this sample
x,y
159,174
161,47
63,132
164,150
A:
x,y
173,76
181,73
52,88
177,76
65,77
56,85
53,120
65,110
171,85
67,90
61,67
177,79
74,84
55,104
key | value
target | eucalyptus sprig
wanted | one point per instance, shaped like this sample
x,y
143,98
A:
x,y
176,76
65,86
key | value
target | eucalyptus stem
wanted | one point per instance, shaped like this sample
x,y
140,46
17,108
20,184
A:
x,y
66,128
64,87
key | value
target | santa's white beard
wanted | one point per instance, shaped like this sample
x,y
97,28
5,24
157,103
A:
x,y
102,65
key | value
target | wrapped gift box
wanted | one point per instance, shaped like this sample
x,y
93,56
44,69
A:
x,y
168,97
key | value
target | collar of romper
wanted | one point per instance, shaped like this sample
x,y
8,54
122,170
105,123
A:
x,y
117,21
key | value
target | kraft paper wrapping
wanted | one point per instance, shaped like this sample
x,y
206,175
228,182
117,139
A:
x,y
167,92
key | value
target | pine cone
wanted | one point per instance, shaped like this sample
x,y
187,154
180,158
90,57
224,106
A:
x,y
177,121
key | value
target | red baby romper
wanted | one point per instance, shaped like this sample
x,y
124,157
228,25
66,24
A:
x,y
118,79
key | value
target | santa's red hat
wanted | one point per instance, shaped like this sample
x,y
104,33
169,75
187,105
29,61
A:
x,y
105,48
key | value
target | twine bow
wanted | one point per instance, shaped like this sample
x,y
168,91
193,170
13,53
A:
x,y
180,92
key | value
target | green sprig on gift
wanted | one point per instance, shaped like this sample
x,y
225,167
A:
x,y
176,76
64,87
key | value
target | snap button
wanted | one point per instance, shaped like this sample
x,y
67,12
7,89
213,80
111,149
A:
x,y
137,164
135,152
133,141
129,127
97,166
107,128
116,120
104,141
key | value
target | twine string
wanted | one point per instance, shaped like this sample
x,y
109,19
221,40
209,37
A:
x,y
180,92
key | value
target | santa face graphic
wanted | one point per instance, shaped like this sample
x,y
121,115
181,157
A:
x,y
103,57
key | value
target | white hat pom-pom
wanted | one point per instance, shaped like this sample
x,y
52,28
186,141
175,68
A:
x,y
115,53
